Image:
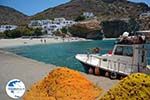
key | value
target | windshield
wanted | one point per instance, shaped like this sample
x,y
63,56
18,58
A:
x,y
124,51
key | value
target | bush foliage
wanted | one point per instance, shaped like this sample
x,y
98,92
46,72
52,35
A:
x,y
80,18
19,32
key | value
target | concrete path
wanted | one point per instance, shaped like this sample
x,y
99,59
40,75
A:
x,y
30,71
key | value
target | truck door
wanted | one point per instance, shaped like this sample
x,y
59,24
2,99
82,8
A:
x,y
123,54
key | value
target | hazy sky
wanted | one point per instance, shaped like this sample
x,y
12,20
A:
x,y
31,7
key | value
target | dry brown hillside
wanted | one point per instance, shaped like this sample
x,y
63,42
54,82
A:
x,y
103,9
11,16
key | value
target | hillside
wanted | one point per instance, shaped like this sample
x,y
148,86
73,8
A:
x,y
11,16
103,9
144,23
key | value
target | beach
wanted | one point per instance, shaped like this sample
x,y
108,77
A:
x,y
30,71
5,43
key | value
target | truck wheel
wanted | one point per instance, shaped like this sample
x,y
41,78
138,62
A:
x,y
90,71
113,75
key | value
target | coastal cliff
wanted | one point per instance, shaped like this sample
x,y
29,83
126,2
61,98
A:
x,y
87,29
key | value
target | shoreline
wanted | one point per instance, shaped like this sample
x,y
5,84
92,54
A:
x,y
30,71
8,43
110,38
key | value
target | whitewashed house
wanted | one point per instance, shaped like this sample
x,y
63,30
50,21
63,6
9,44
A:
x,y
51,26
88,14
144,15
39,23
69,23
35,24
7,27
59,20
45,22
63,22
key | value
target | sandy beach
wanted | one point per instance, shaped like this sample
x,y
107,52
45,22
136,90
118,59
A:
x,y
4,43
30,71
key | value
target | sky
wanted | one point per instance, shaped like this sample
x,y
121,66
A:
x,y
31,7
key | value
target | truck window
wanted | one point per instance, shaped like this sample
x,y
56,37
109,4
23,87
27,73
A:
x,y
124,51
119,50
128,51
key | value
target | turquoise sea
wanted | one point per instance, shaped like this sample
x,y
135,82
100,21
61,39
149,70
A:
x,y
62,54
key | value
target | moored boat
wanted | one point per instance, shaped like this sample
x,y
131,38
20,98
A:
x,y
129,55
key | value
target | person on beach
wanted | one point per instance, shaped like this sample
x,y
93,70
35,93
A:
x,y
44,40
41,41
63,39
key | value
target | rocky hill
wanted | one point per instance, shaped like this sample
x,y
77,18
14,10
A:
x,y
87,29
103,9
11,16
144,23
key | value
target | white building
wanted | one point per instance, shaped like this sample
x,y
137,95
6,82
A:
x,y
45,22
59,20
39,23
7,27
63,22
69,23
51,26
88,14
144,15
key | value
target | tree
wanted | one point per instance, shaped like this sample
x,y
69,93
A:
x,y
2,35
19,32
13,33
80,18
37,32
64,30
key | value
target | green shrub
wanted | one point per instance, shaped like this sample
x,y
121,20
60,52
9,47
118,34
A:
x,y
21,32
80,18
13,33
64,30
2,35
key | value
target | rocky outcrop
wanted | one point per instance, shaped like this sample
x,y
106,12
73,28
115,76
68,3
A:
x,y
87,29
144,23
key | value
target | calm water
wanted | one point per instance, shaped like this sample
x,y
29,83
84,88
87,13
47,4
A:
x,y
62,54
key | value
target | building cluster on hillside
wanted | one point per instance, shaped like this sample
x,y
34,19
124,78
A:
x,y
7,27
88,15
51,26
47,25
144,15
